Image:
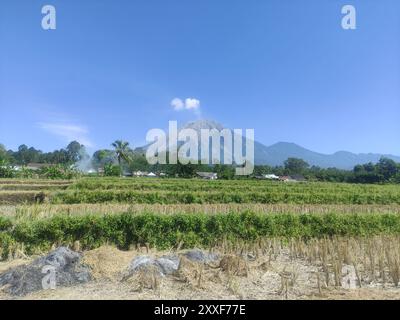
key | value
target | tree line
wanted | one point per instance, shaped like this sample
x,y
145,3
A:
x,y
24,155
384,171
121,158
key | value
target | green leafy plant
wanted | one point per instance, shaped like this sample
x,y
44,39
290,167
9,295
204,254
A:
x,y
58,172
111,170
6,171
166,231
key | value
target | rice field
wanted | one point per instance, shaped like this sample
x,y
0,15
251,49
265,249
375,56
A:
x,y
320,231
41,213
182,191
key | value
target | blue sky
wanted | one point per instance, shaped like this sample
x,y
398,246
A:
x,y
285,68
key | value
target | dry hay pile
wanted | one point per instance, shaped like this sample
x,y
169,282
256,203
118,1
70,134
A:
x,y
107,262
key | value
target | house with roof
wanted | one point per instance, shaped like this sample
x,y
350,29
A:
x,y
207,175
140,173
271,177
37,166
292,178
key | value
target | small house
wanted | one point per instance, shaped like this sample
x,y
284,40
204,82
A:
x,y
37,166
260,177
140,173
292,178
271,177
207,175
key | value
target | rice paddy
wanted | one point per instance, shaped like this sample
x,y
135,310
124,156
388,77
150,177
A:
x,y
338,235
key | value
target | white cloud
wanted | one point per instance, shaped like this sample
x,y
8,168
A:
x,y
189,104
69,132
177,104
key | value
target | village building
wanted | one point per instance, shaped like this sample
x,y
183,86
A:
x,y
292,178
144,174
271,177
37,166
207,175
140,173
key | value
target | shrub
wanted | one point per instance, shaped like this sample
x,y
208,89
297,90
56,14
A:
x,y
166,231
112,170
5,224
25,173
6,171
6,245
58,172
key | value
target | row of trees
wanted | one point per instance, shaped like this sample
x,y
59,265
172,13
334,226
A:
x,y
386,170
122,158
73,153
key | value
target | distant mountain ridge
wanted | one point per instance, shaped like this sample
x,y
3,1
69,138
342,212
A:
x,y
276,154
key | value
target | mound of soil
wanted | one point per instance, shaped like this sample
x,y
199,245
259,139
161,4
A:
x,y
197,255
165,265
61,267
168,264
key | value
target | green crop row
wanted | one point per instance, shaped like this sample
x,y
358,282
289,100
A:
x,y
166,231
197,184
175,191
237,186
244,187
165,197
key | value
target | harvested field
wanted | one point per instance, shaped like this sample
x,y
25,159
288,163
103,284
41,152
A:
x,y
32,187
35,181
38,211
181,191
276,240
12,197
274,270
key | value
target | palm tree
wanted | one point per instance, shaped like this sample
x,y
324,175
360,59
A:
x,y
121,150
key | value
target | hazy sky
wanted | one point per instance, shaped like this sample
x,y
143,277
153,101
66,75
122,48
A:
x,y
285,68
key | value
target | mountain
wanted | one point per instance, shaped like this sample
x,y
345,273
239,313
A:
x,y
279,152
276,154
203,124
